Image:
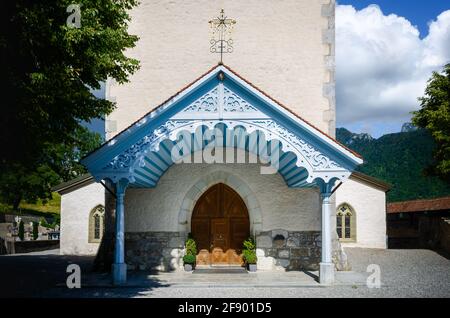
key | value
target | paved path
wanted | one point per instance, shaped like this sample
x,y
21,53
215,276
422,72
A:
x,y
33,274
404,273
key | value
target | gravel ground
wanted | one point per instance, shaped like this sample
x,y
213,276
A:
x,y
404,273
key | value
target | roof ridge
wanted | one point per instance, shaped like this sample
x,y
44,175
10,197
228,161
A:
x,y
246,81
370,179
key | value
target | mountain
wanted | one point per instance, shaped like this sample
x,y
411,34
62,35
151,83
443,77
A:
x,y
351,139
407,127
398,159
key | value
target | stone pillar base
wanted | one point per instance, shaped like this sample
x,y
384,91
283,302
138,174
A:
x,y
326,273
119,272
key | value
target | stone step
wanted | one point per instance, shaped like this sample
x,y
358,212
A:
x,y
220,269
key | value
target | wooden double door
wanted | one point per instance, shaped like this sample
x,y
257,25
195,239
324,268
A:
x,y
220,224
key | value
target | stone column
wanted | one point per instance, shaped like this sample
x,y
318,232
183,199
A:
x,y
326,273
119,268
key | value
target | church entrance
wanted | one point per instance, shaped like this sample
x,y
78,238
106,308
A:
x,y
219,225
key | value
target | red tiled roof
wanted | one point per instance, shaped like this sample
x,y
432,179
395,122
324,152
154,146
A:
x,y
437,204
249,83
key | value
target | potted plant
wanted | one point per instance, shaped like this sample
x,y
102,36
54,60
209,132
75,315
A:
x,y
249,254
189,262
191,251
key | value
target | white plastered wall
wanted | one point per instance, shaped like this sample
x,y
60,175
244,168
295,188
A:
x,y
283,47
369,204
75,209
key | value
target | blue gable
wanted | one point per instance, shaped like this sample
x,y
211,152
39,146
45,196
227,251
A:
x,y
233,113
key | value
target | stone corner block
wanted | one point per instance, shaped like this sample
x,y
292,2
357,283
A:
x,y
293,242
177,242
264,241
284,253
282,262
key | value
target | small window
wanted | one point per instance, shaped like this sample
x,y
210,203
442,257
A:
x,y
346,223
96,224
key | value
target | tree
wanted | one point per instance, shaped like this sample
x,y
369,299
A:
x,y
49,68
435,117
399,159
35,230
21,231
58,162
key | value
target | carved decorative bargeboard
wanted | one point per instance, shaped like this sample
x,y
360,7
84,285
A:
x,y
222,100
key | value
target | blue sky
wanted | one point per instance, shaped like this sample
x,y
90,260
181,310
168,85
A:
x,y
386,50
418,12
98,125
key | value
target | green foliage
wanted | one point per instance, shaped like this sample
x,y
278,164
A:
x,y
435,117
34,212
250,257
64,158
21,230
191,250
35,230
398,159
49,71
48,208
249,244
249,251
17,182
191,246
59,162
189,259
56,221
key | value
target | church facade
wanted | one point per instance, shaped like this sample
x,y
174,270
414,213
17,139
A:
x,y
226,151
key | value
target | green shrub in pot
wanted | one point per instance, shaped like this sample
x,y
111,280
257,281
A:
x,y
249,251
189,259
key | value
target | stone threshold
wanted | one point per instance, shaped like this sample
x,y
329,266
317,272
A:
x,y
219,269
241,280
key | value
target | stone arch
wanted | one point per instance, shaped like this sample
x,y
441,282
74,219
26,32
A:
x,y
231,180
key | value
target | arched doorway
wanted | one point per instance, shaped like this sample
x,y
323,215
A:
x,y
220,224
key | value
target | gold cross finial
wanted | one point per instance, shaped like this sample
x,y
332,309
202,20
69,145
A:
x,y
221,28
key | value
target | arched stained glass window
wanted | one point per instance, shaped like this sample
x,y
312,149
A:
x,y
96,224
346,223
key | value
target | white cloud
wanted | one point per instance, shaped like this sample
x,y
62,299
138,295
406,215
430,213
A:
x,y
382,65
